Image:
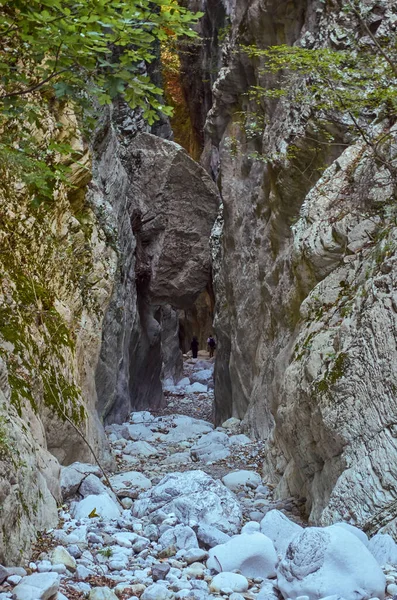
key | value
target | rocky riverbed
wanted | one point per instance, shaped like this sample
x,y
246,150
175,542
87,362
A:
x,y
189,516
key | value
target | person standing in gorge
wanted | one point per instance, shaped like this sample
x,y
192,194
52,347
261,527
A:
x,y
211,346
194,346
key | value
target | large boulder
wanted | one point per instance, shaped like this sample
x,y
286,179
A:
x,y
43,586
330,561
383,548
279,529
163,206
73,475
252,554
195,498
101,505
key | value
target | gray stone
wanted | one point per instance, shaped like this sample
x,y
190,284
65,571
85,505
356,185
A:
x,y
195,498
279,529
383,548
39,586
211,536
73,475
323,562
157,592
102,505
253,555
160,571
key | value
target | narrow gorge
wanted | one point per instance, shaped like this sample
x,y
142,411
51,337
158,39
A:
x,y
255,201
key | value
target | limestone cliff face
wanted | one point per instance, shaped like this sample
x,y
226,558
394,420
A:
x,y
303,274
90,288
57,272
162,205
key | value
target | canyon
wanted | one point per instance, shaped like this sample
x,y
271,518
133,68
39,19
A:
x,y
278,240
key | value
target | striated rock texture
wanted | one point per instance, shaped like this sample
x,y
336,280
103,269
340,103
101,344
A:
x,y
304,273
56,280
161,206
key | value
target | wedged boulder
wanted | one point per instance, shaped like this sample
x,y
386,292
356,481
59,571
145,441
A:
x,y
194,497
252,554
210,447
383,548
329,561
101,505
39,586
73,475
279,529
129,484
93,486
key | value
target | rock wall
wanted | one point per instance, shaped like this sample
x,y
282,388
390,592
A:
x,y
57,275
162,206
303,273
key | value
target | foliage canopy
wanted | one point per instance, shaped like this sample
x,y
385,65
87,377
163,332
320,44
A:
x,y
79,50
350,86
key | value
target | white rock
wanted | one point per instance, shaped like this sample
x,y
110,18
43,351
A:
x,y
92,485
156,592
212,446
140,449
194,554
239,479
136,432
83,573
321,562
252,554
194,497
143,416
232,581
355,531
196,388
279,529
239,440
130,483
102,593
383,548
61,556
39,586
181,536
195,570
104,506
203,376
183,382
251,527
178,458
391,589
73,475
231,423
211,536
